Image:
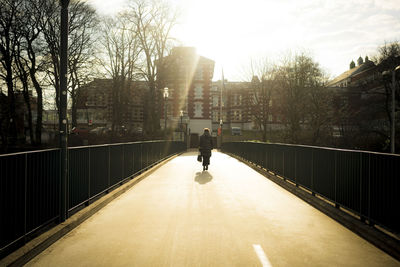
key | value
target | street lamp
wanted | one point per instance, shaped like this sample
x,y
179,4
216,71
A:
x,y
393,124
166,94
181,115
63,119
220,125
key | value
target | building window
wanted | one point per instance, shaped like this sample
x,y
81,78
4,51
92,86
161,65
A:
x,y
81,116
198,110
237,99
98,116
223,101
198,92
198,74
215,101
237,115
215,117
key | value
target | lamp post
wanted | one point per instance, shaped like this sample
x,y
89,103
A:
x,y
166,94
393,111
220,125
181,129
63,120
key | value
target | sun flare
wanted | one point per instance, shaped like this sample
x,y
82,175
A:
x,y
221,30
233,32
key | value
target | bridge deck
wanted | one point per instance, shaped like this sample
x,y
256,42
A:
x,y
227,216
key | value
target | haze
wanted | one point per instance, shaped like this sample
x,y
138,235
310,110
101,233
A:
x,y
234,32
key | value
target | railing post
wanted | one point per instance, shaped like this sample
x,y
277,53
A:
x,y
89,180
295,167
312,172
362,217
273,158
109,168
159,151
283,163
336,203
369,190
133,161
147,155
123,163
266,158
25,193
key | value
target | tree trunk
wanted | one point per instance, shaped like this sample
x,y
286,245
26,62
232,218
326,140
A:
x,y
29,108
39,118
11,124
264,133
74,111
23,77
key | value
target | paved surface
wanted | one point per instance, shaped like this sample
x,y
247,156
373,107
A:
x,y
227,216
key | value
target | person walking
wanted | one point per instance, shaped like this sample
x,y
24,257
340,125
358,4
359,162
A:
x,y
205,148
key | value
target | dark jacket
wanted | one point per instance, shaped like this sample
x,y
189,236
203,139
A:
x,y
206,144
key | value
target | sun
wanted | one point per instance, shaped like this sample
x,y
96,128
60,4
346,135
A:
x,y
230,32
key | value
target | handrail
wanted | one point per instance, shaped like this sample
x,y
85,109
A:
x,y
30,182
366,183
28,152
319,147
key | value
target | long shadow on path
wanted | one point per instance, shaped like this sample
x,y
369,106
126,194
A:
x,y
203,177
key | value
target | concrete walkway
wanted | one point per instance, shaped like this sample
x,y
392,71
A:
x,y
227,216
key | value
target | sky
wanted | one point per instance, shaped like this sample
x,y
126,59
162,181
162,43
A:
x,y
234,32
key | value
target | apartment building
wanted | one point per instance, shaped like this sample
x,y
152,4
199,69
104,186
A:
x,y
234,108
95,105
188,79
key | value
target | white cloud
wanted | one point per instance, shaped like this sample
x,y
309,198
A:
x,y
107,7
388,4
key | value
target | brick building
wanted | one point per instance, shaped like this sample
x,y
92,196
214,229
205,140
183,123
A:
x,y
188,78
239,107
236,106
359,104
191,93
95,104
364,72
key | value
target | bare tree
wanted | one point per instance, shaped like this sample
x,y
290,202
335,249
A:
x,y
29,45
388,55
82,21
319,112
3,116
121,48
50,26
262,87
153,21
298,76
9,35
388,58
82,40
23,75
29,63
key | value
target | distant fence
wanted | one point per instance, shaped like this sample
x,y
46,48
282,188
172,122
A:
x,y
30,182
365,183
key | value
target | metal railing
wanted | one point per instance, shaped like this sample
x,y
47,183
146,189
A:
x,y
30,182
366,183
